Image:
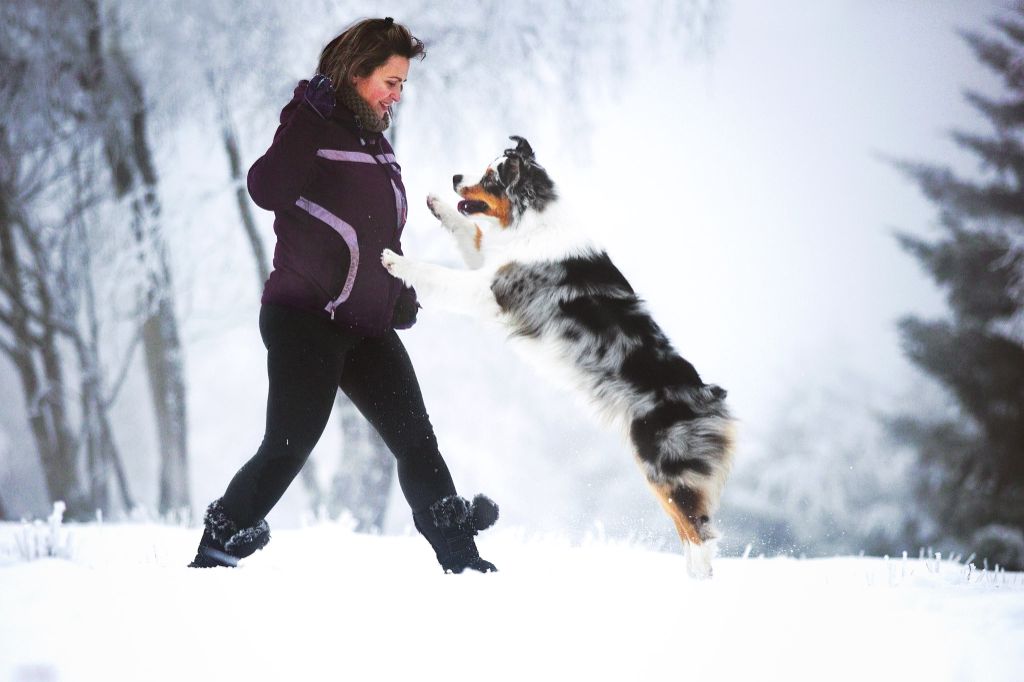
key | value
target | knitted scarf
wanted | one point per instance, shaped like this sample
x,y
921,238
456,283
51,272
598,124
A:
x,y
365,114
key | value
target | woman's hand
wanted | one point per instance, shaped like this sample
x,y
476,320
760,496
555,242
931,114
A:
x,y
406,308
320,95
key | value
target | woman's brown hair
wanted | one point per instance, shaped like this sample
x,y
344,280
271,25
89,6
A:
x,y
364,46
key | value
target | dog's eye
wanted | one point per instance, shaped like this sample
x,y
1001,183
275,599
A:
x,y
492,181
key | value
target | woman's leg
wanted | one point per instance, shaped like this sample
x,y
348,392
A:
x,y
379,379
305,356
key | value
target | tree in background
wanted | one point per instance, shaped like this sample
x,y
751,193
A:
x,y
49,195
971,462
111,79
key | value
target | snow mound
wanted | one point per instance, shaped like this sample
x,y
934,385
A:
x,y
324,603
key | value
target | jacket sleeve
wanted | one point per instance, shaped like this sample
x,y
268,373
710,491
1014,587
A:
x,y
277,178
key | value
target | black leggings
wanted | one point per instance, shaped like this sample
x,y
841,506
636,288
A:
x,y
308,359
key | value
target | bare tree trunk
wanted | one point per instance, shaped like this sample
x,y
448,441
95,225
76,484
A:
x,y
78,505
131,164
102,452
259,254
53,442
162,349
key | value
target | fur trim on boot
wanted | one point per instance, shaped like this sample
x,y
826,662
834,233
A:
x,y
449,526
224,543
485,512
480,514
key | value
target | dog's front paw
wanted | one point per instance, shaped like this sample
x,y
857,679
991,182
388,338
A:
x,y
434,203
396,265
390,260
449,217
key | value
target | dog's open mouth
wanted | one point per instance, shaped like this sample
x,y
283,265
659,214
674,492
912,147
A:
x,y
471,206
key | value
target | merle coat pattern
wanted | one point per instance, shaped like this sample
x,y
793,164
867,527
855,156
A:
x,y
562,298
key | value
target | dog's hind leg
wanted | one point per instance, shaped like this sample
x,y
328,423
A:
x,y
687,507
684,447
468,236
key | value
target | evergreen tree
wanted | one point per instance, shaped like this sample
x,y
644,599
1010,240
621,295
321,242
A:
x,y
971,462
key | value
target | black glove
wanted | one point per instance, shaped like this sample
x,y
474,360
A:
x,y
320,95
406,308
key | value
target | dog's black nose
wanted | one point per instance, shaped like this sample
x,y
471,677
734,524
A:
x,y
456,181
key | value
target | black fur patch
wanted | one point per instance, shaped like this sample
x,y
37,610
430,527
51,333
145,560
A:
x,y
650,370
596,273
645,431
610,316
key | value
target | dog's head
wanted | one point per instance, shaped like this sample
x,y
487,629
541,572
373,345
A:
x,y
511,186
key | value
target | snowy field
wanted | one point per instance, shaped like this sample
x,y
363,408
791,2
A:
x,y
323,603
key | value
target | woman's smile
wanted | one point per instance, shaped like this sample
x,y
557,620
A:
x,y
382,89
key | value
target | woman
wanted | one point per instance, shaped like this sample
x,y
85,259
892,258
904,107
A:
x,y
330,309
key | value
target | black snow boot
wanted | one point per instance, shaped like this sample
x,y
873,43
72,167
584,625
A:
x,y
449,526
224,543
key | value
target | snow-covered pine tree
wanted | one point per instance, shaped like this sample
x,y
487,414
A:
x,y
972,463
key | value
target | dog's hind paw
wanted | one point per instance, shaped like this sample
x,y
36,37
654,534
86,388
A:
x,y
698,559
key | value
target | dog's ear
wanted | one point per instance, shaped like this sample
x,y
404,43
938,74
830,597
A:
x,y
522,149
511,170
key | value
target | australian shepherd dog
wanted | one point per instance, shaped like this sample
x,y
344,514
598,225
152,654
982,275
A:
x,y
559,295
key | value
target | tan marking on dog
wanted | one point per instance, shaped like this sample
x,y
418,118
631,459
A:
x,y
497,207
685,528
479,238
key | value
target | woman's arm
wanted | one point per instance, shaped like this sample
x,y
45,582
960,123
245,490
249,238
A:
x,y
278,177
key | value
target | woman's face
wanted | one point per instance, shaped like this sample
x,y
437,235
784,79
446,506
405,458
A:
x,y
383,87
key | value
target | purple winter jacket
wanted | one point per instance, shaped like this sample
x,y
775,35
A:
x,y
338,201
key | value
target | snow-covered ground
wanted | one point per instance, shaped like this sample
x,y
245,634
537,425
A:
x,y
324,603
